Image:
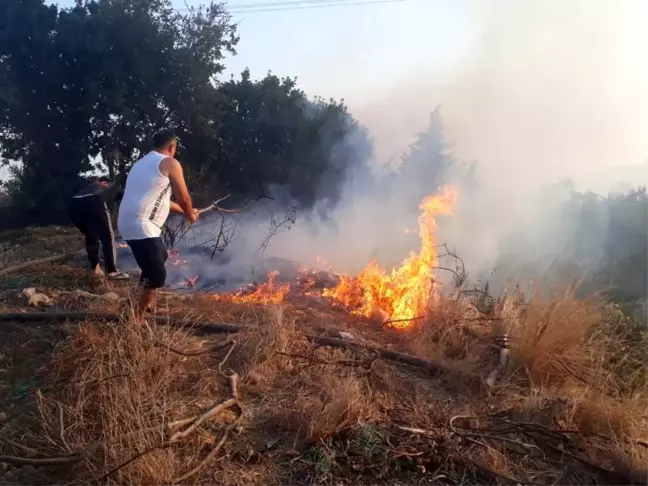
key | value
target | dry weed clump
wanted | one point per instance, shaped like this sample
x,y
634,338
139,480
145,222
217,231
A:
x,y
453,335
551,339
118,385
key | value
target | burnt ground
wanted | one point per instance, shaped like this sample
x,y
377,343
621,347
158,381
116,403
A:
x,y
308,414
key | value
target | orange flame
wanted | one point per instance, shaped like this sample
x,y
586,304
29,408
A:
x,y
403,294
266,293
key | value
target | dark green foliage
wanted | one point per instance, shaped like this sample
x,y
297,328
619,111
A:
x,y
84,88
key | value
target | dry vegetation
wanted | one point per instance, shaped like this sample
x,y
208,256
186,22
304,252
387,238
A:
x,y
101,402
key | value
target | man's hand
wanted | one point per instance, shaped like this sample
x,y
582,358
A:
x,y
193,216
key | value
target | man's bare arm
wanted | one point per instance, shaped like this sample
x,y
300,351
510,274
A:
x,y
173,170
175,208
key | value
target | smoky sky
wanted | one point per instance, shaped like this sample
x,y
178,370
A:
x,y
548,90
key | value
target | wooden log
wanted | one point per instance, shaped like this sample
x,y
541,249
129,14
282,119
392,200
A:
x,y
35,318
22,266
384,353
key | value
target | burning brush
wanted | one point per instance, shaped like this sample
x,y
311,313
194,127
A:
x,y
397,298
404,294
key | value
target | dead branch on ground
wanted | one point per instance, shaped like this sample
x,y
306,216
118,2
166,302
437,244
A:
x,y
365,363
55,258
193,354
38,318
544,439
384,353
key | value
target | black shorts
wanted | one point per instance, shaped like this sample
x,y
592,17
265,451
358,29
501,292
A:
x,y
150,255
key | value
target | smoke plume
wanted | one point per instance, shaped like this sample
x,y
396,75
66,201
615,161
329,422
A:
x,y
548,91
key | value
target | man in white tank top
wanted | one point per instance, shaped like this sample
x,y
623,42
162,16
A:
x,y
145,207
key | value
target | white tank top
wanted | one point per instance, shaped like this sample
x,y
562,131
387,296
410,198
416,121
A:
x,y
147,197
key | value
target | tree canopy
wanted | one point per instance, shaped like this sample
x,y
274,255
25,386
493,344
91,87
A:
x,y
83,89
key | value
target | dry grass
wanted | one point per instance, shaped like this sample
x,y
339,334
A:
x,y
116,380
552,343
318,415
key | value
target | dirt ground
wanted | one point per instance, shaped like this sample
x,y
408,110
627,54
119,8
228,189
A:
x,y
122,402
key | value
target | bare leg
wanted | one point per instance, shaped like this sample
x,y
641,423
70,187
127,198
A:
x,y
146,301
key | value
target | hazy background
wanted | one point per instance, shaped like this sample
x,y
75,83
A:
x,y
536,91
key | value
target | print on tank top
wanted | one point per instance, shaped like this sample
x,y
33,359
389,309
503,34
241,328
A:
x,y
158,202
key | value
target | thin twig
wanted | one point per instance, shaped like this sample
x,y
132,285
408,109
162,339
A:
x,y
388,322
212,412
62,429
226,357
131,459
233,384
209,456
414,430
468,434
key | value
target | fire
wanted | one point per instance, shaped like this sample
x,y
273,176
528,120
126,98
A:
x,y
404,293
266,293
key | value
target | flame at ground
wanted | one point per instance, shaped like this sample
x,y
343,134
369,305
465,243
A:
x,y
403,294
265,293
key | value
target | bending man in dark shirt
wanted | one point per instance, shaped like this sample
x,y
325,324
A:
x,y
90,212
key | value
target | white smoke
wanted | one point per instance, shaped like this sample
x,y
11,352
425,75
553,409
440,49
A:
x,y
548,90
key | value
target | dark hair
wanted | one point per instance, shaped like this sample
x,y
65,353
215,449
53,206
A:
x,y
162,138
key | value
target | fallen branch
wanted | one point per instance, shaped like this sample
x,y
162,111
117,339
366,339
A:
x,y
233,380
47,461
209,414
193,354
389,322
45,317
535,432
193,426
344,362
224,360
384,353
207,458
22,266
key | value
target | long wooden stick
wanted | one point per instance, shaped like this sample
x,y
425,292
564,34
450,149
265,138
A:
x,y
22,266
45,317
385,353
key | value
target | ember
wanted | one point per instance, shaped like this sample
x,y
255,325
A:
x,y
404,294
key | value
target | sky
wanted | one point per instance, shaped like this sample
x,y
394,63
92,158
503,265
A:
x,y
533,90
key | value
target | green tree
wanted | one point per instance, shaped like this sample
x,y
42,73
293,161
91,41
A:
x,y
273,139
97,79
85,87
